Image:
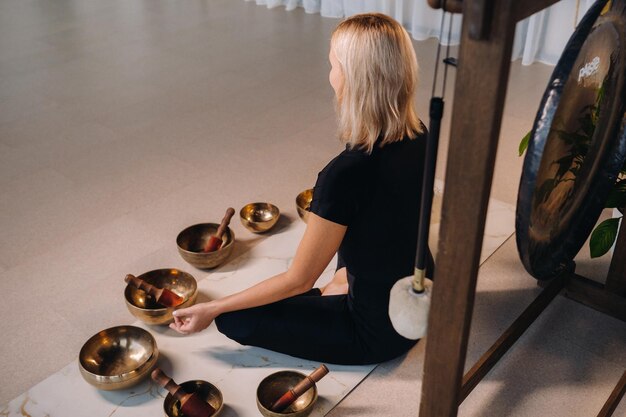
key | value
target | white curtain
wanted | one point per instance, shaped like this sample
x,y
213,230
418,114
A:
x,y
539,38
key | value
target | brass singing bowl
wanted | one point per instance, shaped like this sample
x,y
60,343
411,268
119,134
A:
x,y
303,202
205,390
275,385
146,309
118,358
259,217
193,239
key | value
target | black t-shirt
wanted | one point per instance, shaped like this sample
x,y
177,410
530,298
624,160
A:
x,y
377,197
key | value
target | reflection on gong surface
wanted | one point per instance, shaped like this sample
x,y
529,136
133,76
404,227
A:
x,y
577,145
562,179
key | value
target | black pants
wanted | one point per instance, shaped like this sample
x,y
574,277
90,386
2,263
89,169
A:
x,y
307,326
315,327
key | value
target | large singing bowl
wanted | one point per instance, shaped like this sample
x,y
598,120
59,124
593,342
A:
x,y
577,145
118,358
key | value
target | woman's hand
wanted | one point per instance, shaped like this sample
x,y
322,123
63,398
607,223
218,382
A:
x,y
195,318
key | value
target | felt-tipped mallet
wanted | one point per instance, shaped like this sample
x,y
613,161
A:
x,y
163,296
215,241
303,386
409,299
191,405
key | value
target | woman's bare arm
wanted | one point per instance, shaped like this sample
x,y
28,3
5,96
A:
x,y
319,244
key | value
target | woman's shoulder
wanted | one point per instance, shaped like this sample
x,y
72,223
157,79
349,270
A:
x,y
335,192
408,146
348,162
416,139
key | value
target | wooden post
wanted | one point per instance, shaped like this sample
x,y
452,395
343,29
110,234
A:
x,y
477,113
476,117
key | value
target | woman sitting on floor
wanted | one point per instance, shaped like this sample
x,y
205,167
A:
x,y
365,208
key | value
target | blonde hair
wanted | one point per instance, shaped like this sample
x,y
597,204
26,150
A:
x,y
379,68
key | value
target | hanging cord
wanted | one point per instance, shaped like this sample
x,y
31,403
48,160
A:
x,y
443,16
445,71
430,162
449,40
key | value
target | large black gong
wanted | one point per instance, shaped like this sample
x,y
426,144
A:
x,y
577,145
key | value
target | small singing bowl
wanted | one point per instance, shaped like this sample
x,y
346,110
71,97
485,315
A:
x,y
275,385
303,202
259,217
118,358
146,309
205,390
193,239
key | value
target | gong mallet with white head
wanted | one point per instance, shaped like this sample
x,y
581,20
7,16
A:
x,y
409,300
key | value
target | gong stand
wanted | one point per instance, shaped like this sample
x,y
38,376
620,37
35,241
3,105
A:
x,y
483,70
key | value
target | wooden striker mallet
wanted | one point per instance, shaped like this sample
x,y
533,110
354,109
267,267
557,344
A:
x,y
303,386
162,296
215,241
191,405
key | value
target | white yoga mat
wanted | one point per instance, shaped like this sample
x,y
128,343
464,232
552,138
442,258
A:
x,y
236,370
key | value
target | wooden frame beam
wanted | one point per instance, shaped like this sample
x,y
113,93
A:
x,y
615,397
594,295
511,335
